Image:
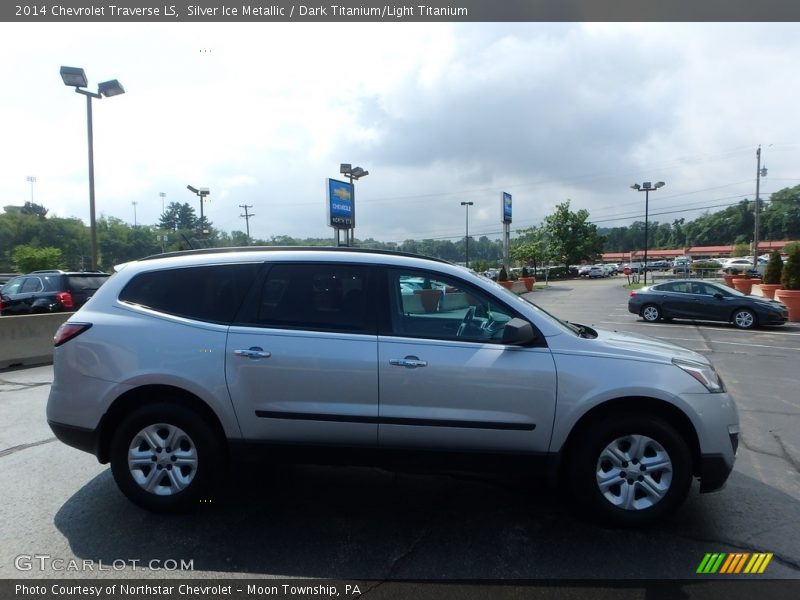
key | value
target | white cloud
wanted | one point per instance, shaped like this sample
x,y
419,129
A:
x,y
438,113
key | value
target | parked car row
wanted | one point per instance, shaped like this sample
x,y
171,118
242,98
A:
x,y
598,270
49,291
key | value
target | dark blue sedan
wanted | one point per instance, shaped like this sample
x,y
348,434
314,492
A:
x,y
705,301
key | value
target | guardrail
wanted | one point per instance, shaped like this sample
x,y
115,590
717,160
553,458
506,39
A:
x,y
28,339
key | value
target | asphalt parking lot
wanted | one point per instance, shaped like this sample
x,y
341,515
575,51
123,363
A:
x,y
361,523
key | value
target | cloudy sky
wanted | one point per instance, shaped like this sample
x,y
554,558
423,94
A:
x,y
263,113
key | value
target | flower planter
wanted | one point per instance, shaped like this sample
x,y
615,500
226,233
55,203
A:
x,y
728,279
769,289
430,299
745,285
528,281
791,298
506,284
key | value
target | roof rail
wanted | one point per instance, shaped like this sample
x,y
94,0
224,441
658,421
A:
x,y
291,248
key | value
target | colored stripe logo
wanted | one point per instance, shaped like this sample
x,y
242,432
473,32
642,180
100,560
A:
x,y
734,563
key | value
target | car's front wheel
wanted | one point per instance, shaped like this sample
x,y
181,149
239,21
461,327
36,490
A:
x,y
630,469
165,458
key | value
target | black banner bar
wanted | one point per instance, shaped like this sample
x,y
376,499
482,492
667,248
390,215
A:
x,y
250,11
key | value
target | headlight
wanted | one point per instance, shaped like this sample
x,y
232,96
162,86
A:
x,y
705,374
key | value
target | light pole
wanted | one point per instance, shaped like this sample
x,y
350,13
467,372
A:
x,y
31,179
75,77
466,238
134,203
162,195
352,173
201,193
760,172
646,187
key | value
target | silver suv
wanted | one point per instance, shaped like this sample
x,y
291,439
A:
x,y
183,363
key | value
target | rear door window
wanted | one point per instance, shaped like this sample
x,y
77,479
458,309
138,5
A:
x,y
324,297
210,293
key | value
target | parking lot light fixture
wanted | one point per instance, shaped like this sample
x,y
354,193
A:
x,y
201,193
76,77
466,237
646,187
352,173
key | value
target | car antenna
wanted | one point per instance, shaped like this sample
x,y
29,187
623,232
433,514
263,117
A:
x,y
188,241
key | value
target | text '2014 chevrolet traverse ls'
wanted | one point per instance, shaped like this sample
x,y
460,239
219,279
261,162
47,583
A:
x,y
181,363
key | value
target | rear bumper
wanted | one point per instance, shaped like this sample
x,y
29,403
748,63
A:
x,y
77,437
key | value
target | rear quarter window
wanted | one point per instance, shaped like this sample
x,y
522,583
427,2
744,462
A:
x,y
211,293
85,283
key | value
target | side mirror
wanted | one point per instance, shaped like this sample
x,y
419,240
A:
x,y
718,296
518,332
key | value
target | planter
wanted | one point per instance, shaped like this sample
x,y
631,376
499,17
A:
x,y
528,281
728,279
791,298
769,289
430,299
745,284
506,284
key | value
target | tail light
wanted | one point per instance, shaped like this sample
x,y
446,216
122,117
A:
x,y
65,298
67,331
633,293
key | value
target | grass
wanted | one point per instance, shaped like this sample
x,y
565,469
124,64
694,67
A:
x,y
633,286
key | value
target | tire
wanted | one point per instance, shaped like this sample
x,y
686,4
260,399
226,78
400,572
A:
x,y
651,313
744,318
630,445
177,480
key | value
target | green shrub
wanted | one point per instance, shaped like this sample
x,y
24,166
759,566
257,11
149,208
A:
x,y
772,274
704,266
790,278
503,275
525,272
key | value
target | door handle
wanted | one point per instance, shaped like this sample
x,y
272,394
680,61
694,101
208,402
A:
x,y
409,362
253,353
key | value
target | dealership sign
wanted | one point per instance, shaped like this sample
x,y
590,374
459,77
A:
x,y
506,207
341,204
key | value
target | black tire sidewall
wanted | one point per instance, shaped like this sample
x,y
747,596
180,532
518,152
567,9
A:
x,y
583,465
209,461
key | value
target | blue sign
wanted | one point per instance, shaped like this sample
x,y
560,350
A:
x,y
341,205
506,207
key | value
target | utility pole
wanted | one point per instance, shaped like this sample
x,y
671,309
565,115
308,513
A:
x,y
760,172
246,216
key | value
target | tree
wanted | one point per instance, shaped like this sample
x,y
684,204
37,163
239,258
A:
x,y
790,278
740,250
37,210
29,258
179,216
571,237
773,271
531,246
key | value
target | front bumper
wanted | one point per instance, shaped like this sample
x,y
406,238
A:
x,y
714,472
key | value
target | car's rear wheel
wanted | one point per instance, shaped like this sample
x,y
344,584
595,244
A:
x,y
166,458
651,313
744,318
630,469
